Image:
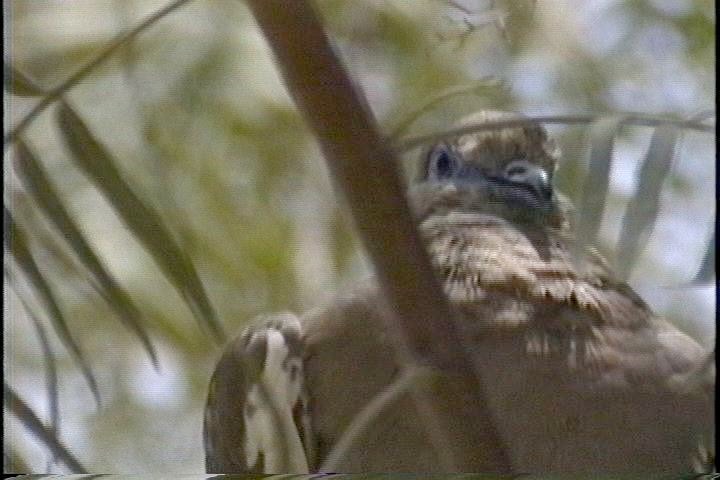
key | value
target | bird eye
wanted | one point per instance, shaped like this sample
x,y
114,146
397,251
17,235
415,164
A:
x,y
442,163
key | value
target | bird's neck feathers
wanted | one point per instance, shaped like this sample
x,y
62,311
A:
x,y
482,254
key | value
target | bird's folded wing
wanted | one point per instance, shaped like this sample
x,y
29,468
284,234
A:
x,y
256,415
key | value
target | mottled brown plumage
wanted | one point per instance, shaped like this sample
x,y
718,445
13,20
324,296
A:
x,y
580,375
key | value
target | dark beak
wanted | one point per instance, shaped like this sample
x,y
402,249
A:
x,y
538,180
522,183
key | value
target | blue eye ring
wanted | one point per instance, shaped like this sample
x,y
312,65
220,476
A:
x,y
442,163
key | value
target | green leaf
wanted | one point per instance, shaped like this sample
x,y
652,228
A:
x,y
18,84
144,222
35,178
642,210
16,243
595,187
51,376
27,416
706,272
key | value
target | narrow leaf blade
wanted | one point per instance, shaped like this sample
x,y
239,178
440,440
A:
x,y
16,243
145,223
35,178
642,210
51,376
597,181
706,272
17,83
27,416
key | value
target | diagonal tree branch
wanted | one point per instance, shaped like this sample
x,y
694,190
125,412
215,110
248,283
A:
x,y
363,168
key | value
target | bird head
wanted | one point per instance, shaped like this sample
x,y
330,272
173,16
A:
x,y
506,172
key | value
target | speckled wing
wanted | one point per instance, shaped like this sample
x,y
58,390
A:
x,y
256,418
582,377
585,377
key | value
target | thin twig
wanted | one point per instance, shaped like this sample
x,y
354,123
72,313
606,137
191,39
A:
x,y
78,76
630,119
362,422
474,89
